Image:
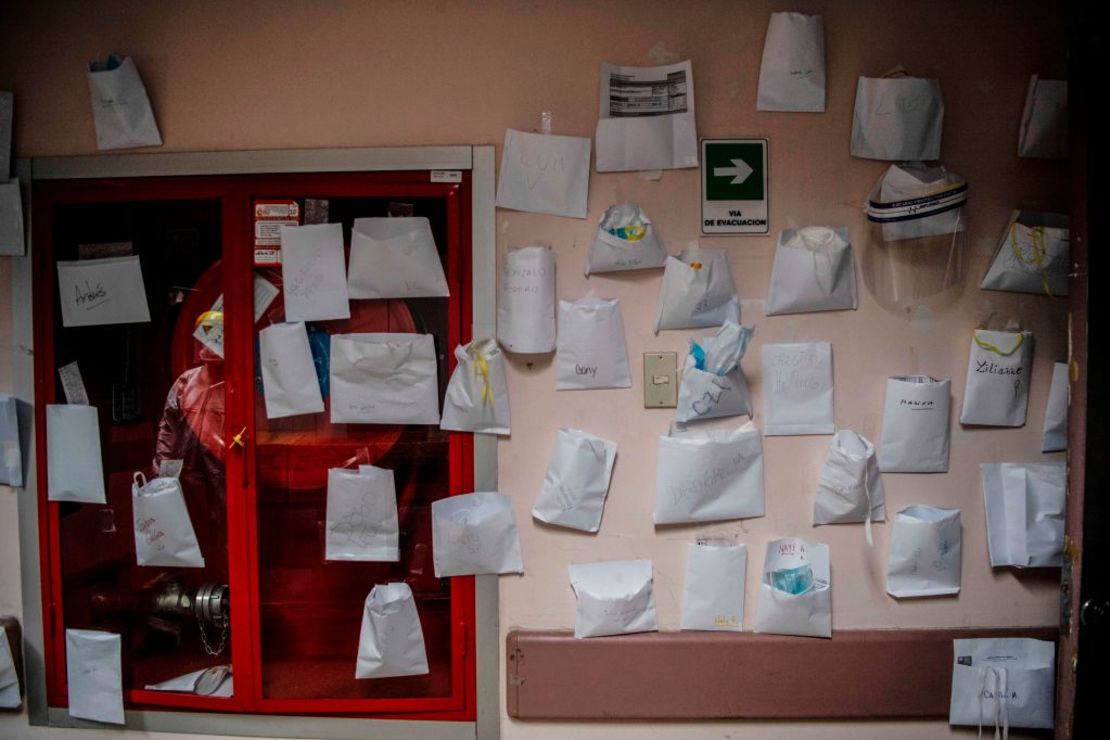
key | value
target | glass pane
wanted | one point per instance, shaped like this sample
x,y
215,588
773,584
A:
x,y
311,608
159,392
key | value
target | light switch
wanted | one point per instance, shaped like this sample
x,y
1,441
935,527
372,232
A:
x,y
660,380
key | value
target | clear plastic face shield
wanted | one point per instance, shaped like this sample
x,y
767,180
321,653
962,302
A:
x,y
914,250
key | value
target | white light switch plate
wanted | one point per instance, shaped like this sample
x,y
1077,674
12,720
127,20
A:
x,y
660,380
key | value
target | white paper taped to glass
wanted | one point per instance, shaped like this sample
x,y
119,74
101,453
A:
x,y
646,118
361,515
102,291
313,273
395,258
385,378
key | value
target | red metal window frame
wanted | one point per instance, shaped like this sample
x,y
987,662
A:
x,y
235,192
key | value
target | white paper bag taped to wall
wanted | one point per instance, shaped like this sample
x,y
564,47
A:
x,y
1032,255
543,173
697,291
475,533
477,398
362,515
615,597
164,533
709,476
1003,682
897,118
11,219
384,379
912,201
998,369
10,697
1044,122
1056,412
591,351
121,108
289,383
713,592
394,258
795,591
915,425
646,118
102,291
792,73
850,488
1025,513
391,640
798,388
94,677
813,271
626,240
11,452
313,273
526,308
577,481
925,553
713,385
74,470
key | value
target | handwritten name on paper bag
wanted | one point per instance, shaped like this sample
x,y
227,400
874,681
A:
x,y
104,291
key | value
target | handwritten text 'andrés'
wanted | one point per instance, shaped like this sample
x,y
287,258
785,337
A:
x,y
90,297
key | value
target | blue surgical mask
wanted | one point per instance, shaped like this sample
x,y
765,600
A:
x,y
793,580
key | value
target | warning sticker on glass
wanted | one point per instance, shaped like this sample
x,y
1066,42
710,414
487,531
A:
x,y
269,217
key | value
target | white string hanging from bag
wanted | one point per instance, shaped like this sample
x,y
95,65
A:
x,y
1001,716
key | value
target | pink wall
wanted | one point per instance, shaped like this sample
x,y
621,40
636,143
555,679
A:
x,y
255,75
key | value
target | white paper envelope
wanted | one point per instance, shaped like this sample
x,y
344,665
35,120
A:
x,y
526,307
809,613
164,533
626,239
289,382
709,476
121,108
391,640
9,680
713,384
1025,505
11,453
798,388
362,515
542,173
713,592
475,533
614,598
313,273
577,481
477,398
850,488
925,553
74,471
1044,122
813,271
590,351
104,291
697,291
792,73
1032,255
196,682
11,217
1003,681
915,425
384,379
94,676
395,258
897,118
1056,411
646,118
998,369
912,201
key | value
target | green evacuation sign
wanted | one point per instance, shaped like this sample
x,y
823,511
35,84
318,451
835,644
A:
x,y
734,186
